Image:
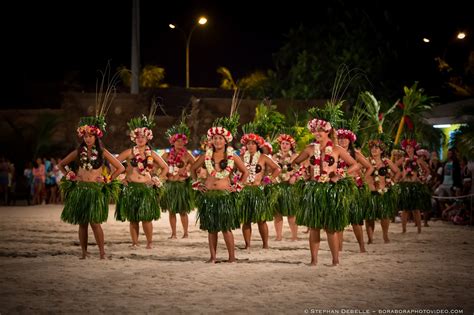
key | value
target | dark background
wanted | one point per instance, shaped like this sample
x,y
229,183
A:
x,y
50,45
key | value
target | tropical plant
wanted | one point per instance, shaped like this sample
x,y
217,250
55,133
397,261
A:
x,y
463,138
150,77
414,103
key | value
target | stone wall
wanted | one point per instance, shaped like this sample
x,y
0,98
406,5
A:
x,y
207,105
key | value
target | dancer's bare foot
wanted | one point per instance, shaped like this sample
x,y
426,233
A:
x,y
172,237
134,246
84,255
149,246
103,257
332,265
362,250
185,235
313,263
278,239
386,241
294,239
370,242
233,260
426,225
211,261
265,247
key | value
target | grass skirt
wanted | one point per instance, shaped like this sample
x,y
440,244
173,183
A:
x,y
87,202
177,197
382,206
281,198
253,205
217,211
327,205
357,212
138,202
414,196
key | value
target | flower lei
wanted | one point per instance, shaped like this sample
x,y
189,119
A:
x,y
318,174
148,160
84,161
376,173
411,165
284,160
175,160
251,166
210,168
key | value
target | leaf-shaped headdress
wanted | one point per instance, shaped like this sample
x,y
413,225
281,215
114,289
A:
x,y
105,95
227,126
178,131
143,125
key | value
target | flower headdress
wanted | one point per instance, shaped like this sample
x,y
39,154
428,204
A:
x,y
411,142
178,131
105,95
285,137
346,134
227,126
250,134
268,145
143,125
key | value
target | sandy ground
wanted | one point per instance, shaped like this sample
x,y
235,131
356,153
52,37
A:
x,y
41,272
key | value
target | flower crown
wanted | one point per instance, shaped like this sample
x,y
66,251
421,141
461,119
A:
x,y
268,146
221,131
377,143
411,142
252,137
91,125
284,137
346,134
141,126
315,124
141,131
178,136
82,130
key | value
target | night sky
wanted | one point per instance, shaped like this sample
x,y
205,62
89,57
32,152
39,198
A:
x,y
45,43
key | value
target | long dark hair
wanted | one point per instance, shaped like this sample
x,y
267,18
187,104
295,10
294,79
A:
x,y
100,153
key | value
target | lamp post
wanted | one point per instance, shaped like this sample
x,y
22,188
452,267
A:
x,y
187,37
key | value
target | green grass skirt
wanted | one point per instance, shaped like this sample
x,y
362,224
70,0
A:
x,y
253,205
87,202
414,196
382,206
217,211
327,205
177,197
281,198
138,202
359,208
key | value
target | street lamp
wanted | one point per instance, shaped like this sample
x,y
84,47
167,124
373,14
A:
x,y
202,20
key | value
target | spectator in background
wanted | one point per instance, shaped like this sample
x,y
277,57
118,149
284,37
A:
x,y
451,175
4,171
39,178
466,177
28,173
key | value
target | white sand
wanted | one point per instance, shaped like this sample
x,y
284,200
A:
x,y
41,272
